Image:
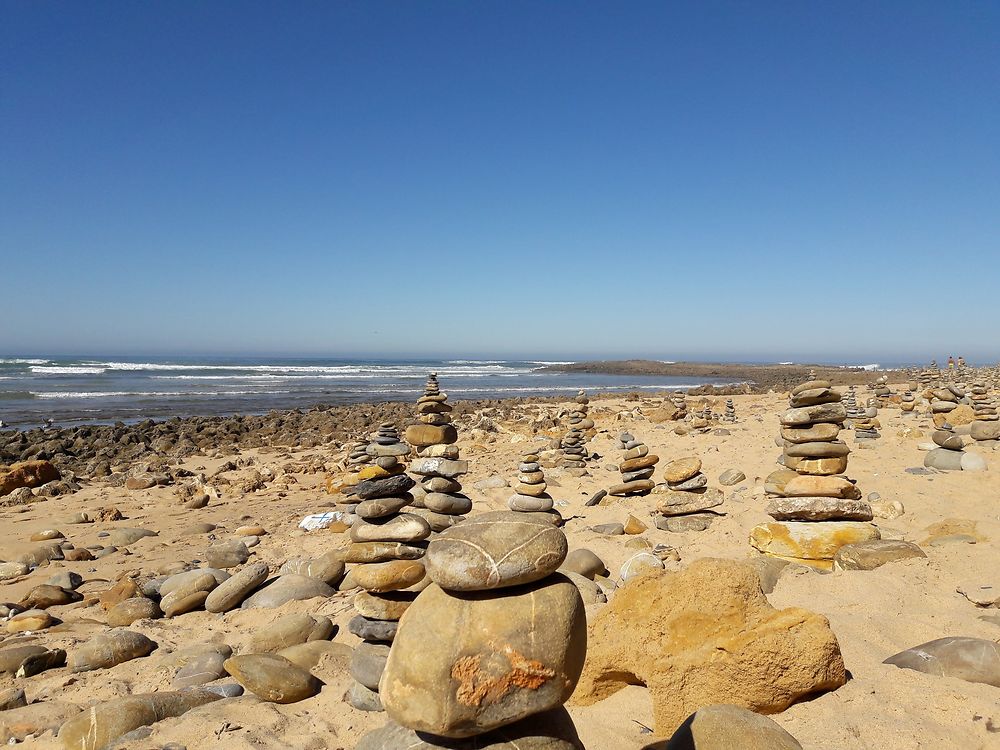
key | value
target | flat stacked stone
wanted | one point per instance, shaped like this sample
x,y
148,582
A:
x,y
729,415
866,427
636,468
816,508
573,444
357,456
983,405
529,491
684,499
381,460
386,550
492,648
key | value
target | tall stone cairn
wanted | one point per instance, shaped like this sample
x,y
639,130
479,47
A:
x,y
573,444
530,494
729,415
637,467
492,648
817,509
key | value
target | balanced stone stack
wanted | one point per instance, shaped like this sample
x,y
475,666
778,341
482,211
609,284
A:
x,y
730,414
434,413
491,649
685,500
866,427
441,501
907,403
950,455
529,492
817,509
854,412
386,547
383,460
679,400
574,452
357,457
636,468
881,388
986,425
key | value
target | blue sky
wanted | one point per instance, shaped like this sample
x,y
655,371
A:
x,y
702,180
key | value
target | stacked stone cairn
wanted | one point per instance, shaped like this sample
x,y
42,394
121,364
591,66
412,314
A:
x,y
573,444
636,468
439,498
950,454
986,427
357,457
492,648
907,402
729,416
685,500
679,400
529,492
386,549
866,427
817,509
854,412
881,388
383,460
943,401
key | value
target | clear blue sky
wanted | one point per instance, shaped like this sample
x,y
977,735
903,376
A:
x,y
708,179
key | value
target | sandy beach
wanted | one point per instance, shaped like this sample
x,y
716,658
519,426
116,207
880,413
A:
x,y
952,516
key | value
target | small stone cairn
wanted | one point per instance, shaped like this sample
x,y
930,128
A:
x,y
985,429
385,549
382,460
357,457
816,508
950,455
636,468
573,444
854,412
684,499
729,415
679,400
907,402
492,648
866,427
529,492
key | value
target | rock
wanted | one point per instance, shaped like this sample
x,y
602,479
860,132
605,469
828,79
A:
x,y
388,606
982,593
289,630
816,466
26,474
12,698
973,462
11,658
391,486
491,483
272,678
368,663
731,476
681,503
231,592
287,588
818,509
393,575
685,523
363,699
808,415
9,570
108,649
874,554
104,723
969,659
770,569
609,529
421,435
681,470
29,620
189,581
44,596
725,727
127,537
813,486
227,554
980,430
66,580
638,564
206,667
38,663
495,550
887,509
552,730
704,635
439,467
460,666
777,480
373,630
173,605
635,486
814,542
34,719
943,459
585,563
372,552
310,654
634,526
137,608
406,527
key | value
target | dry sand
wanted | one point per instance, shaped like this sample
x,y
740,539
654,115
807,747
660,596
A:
x,y
874,614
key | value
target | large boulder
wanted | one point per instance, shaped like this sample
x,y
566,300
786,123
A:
x,y
26,474
463,664
706,635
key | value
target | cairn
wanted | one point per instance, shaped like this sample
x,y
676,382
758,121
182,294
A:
x,y
679,400
729,415
386,551
684,501
529,492
574,452
636,468
881,388
439,499
950,454
866,427
816,508
381,460
854,412
492,648
907,402
985,428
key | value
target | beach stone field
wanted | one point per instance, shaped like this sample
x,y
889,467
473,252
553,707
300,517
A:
x,y
815,565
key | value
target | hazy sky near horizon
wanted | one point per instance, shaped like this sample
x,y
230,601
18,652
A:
x,y
786,180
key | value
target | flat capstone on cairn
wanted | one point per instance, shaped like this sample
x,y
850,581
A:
x,y
386,548
492,648
817,509
439,498
530,494
684,500
573,444
636,468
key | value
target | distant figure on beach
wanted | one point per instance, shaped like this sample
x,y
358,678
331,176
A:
x,y
961,361
951,362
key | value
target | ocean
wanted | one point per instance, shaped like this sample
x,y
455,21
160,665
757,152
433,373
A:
x,y
101,390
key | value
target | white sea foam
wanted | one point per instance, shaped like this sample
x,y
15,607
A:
x,y
867,368
152,394
67,370
23,361
496,367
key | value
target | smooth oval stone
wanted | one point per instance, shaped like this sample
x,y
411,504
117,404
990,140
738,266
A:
x,y
137,608
231,592
290,630
495,550
12,658
440,484
807,415
127,537
372,630
819,486
969,659
439,467
328,568
365,552
28,621
697,482
406,527
287,588
813,396
638,452
973,462
821,431
203,582
527,504
310,654
228,554
363,699
39,663
818,509
681,470
630,488
638,564
943,459
44,596
817,466
396,484
108,649
810,384
464,665
948,440
584,562
388,606
383,506
9,570
551,730
828,449
438,521
206,667
875,554
173,605
99,726
681,503
272,678
368,663
730,477
185,579
643,462
726,727
388,576
449,504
